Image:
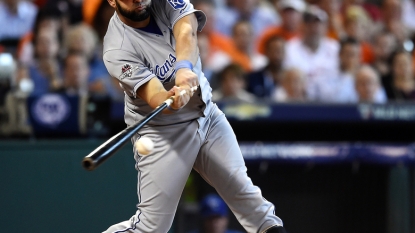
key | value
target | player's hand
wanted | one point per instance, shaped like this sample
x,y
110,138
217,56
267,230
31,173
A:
x,y
186,78
180,99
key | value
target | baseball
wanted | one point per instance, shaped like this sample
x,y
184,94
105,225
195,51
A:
x,y
144,146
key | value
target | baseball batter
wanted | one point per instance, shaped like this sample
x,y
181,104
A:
x,y
151,48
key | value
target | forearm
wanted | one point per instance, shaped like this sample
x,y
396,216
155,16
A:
x,y
158,99
154,93
186,43
185,33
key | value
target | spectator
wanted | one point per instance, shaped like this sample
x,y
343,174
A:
x,y
400,84
335,17
214,213
260,17
232,85
97,13
216,47
241,53
71,8
291,15
52,19
46,70
17,18
384,45
217,41
292,88
82,39
205,53
315,55
392,19
245,55
367,85
349,63
357,26
371,9
76,72
263,82
408,14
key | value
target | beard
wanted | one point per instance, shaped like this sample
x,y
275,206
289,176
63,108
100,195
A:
x,y
134,15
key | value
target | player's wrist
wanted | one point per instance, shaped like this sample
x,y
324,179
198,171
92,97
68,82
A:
x,y
183,64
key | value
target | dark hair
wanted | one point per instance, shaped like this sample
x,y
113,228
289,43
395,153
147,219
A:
x,y
395,54
76,54
348,41
49,13
271,39
239,23
232,68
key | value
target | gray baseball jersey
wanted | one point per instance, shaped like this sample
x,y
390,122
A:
x,y
198,136
135,56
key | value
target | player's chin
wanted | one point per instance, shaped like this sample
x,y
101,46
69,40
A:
x,y
139,9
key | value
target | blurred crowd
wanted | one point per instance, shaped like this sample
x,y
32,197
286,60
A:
x,y
328,51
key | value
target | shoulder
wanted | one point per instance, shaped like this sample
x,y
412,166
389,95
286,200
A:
x,y
264,12
331,44
119,39
119,55
294,44
115,34
27,6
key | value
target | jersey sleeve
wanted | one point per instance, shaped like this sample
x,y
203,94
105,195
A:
x,y
130,71
177,9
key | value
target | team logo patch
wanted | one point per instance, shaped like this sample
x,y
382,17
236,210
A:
x,y
177,4
51,110
127,71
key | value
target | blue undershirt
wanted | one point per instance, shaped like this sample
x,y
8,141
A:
x,y
152,27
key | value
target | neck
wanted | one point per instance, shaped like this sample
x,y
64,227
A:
x,y
134,24
312,44
346,69
274,68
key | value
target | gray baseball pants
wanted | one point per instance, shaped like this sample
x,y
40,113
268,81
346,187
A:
x,y
209,146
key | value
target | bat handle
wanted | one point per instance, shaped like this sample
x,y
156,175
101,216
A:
x,y
170,100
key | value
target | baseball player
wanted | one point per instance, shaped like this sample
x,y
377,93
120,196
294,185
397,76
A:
x,y
150,47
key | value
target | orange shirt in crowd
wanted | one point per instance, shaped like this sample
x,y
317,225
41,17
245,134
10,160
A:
x,y
368,55
89,9
332,34
274,31
23,42
218,41
241,59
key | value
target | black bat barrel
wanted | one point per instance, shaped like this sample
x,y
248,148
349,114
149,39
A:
x,y
112,145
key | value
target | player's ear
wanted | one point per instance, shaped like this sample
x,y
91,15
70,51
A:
x,y
112,3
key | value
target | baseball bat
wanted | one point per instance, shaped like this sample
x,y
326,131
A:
x,y
112,145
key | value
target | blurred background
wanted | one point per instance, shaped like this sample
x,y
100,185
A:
x,y
320,94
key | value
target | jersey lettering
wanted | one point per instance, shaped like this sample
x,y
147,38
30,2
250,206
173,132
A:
x,y
177,4
162,71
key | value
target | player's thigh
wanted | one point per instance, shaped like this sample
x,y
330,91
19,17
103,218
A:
x,y
163,173
220,157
